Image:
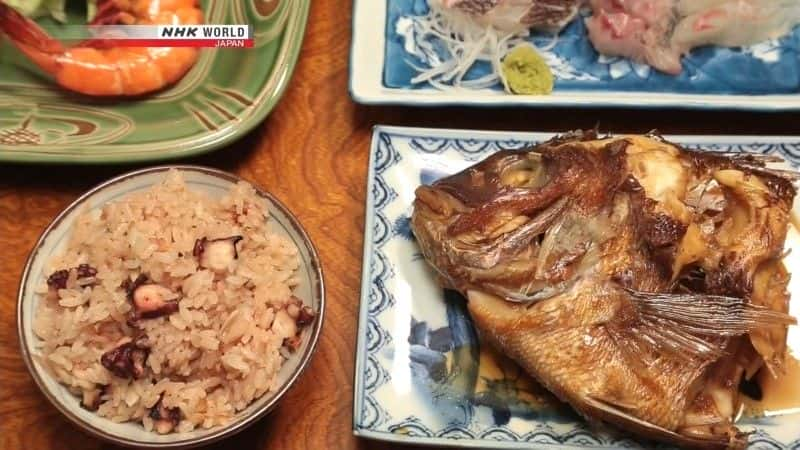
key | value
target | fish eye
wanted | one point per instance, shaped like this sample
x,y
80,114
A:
x,y
524,173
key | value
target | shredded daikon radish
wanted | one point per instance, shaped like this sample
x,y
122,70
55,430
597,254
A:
x,y
450,42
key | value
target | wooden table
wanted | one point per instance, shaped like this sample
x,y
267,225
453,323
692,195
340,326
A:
x,y
312,154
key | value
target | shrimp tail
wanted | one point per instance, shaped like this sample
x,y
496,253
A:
x,y
106,13
25,32
109,13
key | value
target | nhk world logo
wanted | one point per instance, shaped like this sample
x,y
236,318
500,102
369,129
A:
x,y
208,35
229,36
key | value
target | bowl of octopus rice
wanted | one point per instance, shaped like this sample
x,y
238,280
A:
x,y
170,307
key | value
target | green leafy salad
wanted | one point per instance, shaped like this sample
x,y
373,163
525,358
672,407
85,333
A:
x,y
50,8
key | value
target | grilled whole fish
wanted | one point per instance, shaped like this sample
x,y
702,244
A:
x,y
636,280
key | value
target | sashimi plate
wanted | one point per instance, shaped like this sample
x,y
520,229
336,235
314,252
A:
x,y
765,76
422,375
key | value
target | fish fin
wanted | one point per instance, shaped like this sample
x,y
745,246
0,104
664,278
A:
x,y
617,403
611,413
709,315
696,325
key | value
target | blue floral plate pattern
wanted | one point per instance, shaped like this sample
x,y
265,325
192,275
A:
x,y
422,376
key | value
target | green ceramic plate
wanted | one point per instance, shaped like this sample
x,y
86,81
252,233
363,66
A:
x,y
226,94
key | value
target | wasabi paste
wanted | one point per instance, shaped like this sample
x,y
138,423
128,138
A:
x,y
524,71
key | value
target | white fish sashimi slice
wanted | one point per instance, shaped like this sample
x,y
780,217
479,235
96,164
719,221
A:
x,y
516,15
636,29
736,23
552,15
659,32
650,11
505,15
689,7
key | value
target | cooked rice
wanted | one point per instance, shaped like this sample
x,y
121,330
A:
x,y
220,351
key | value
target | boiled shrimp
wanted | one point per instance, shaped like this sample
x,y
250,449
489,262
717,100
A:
x,y
99,69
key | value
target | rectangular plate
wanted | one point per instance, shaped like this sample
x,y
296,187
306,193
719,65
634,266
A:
x,y
368,84
421,376
225,94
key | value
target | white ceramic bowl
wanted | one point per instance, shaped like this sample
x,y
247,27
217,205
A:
x,y
53,240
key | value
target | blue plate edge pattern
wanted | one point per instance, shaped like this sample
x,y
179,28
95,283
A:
x,y
366,281
449,442
450,133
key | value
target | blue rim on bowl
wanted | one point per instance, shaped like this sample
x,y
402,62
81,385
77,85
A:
x,y
310,263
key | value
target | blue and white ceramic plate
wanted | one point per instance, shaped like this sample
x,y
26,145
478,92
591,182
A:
x,y
762,77
422,376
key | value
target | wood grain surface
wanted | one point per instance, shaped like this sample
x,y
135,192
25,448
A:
x,y
312,154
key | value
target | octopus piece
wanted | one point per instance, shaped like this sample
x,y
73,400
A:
x,y
149,300
58,279
86,271
164,419
128,359
292,343
93,398
289,322
216,254
305,317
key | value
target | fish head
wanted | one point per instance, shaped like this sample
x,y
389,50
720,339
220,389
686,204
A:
x,y
516,222
442,209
